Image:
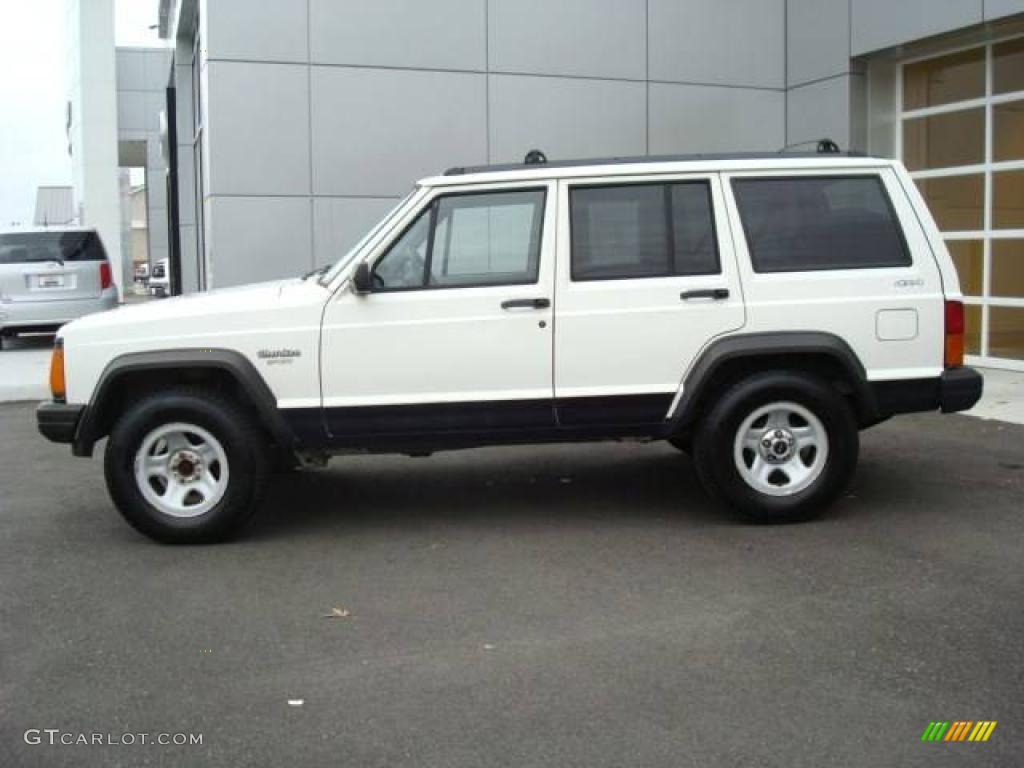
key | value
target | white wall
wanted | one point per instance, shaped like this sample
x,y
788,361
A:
x,y
92,92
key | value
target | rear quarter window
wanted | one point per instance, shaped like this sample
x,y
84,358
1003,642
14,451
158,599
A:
x,y
798,224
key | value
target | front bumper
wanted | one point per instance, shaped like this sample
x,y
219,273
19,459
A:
x,y
58,422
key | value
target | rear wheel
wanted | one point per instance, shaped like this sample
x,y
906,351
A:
x,y
778,447
186,466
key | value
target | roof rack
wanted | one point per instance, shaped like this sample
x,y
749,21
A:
x,y
537,157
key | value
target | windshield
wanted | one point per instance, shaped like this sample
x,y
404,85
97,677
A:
x,y
340,264
26,247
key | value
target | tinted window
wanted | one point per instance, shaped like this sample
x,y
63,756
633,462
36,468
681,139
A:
x,y
25,247
642,230
468,240
800,224
694,247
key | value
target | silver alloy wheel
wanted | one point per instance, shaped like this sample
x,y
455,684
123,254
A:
x,y
181,469
780,449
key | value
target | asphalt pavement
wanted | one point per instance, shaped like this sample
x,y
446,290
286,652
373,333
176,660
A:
x,y
532,606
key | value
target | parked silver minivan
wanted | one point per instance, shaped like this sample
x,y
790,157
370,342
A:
x,y
49,277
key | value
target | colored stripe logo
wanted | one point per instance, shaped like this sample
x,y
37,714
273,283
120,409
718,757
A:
x,y
958,730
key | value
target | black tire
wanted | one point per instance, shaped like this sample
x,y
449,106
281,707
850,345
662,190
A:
x,y
230,424
717,433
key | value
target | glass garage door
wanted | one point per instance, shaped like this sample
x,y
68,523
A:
x,y
962,138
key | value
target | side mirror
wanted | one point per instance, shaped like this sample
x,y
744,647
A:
x,y
362,281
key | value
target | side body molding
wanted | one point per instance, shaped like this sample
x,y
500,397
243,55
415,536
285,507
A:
x,y
91,427
772,348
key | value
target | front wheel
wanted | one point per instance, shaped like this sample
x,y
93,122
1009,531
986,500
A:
x,y
186,466
778,447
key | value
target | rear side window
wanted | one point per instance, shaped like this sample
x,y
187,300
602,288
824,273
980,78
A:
x,y
32,247
642,230
805,223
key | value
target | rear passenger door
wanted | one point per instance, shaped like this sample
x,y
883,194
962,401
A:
x,y
646,277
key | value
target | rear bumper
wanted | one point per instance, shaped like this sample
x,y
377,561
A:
x,y
956,389
959,389
41,315
58,422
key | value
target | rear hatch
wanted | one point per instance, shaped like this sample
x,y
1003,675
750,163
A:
x,y
52,266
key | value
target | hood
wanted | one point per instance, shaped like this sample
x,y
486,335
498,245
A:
x,y
225,305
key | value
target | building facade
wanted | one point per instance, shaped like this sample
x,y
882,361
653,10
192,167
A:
x,y
298,123
141,82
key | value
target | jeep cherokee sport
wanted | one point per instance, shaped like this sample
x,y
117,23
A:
x,y
753,311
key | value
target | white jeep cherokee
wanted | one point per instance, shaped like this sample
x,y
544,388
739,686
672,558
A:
x,y
756,311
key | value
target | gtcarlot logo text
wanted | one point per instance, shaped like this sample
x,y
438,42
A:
x,y
55,736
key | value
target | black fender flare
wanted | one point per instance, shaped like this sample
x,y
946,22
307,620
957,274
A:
x,y
227,360
752,346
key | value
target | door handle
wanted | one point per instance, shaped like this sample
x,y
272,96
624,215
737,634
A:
x,y
526,304
706,293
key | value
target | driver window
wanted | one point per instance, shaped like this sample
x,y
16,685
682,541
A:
x,y
465,240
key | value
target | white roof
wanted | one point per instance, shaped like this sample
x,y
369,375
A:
x,y
642,167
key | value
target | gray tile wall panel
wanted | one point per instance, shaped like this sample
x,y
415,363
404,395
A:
x,y
258,238
183,107
265,30
157,69
440,34
258,128
157,224
339,223
131,72
878,24
693,118
995,9
726,42
566,118
131,111
592,38
820,110
376,131
817,39
186,185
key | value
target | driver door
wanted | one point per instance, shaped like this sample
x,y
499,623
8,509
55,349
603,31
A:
x,y
455,337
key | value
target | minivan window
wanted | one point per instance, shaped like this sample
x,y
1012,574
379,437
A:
x,y
464,240
805,223
30,247
642,230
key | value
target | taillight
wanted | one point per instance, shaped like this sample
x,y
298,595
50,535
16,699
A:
x,y
106,278
954,355
57,388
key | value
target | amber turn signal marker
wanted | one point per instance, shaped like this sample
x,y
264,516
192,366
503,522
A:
x,y
57,388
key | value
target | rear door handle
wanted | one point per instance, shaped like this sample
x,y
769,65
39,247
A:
x,y
526,304
707,293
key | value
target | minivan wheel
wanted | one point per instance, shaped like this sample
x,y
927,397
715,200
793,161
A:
x,y
186,466
778,447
